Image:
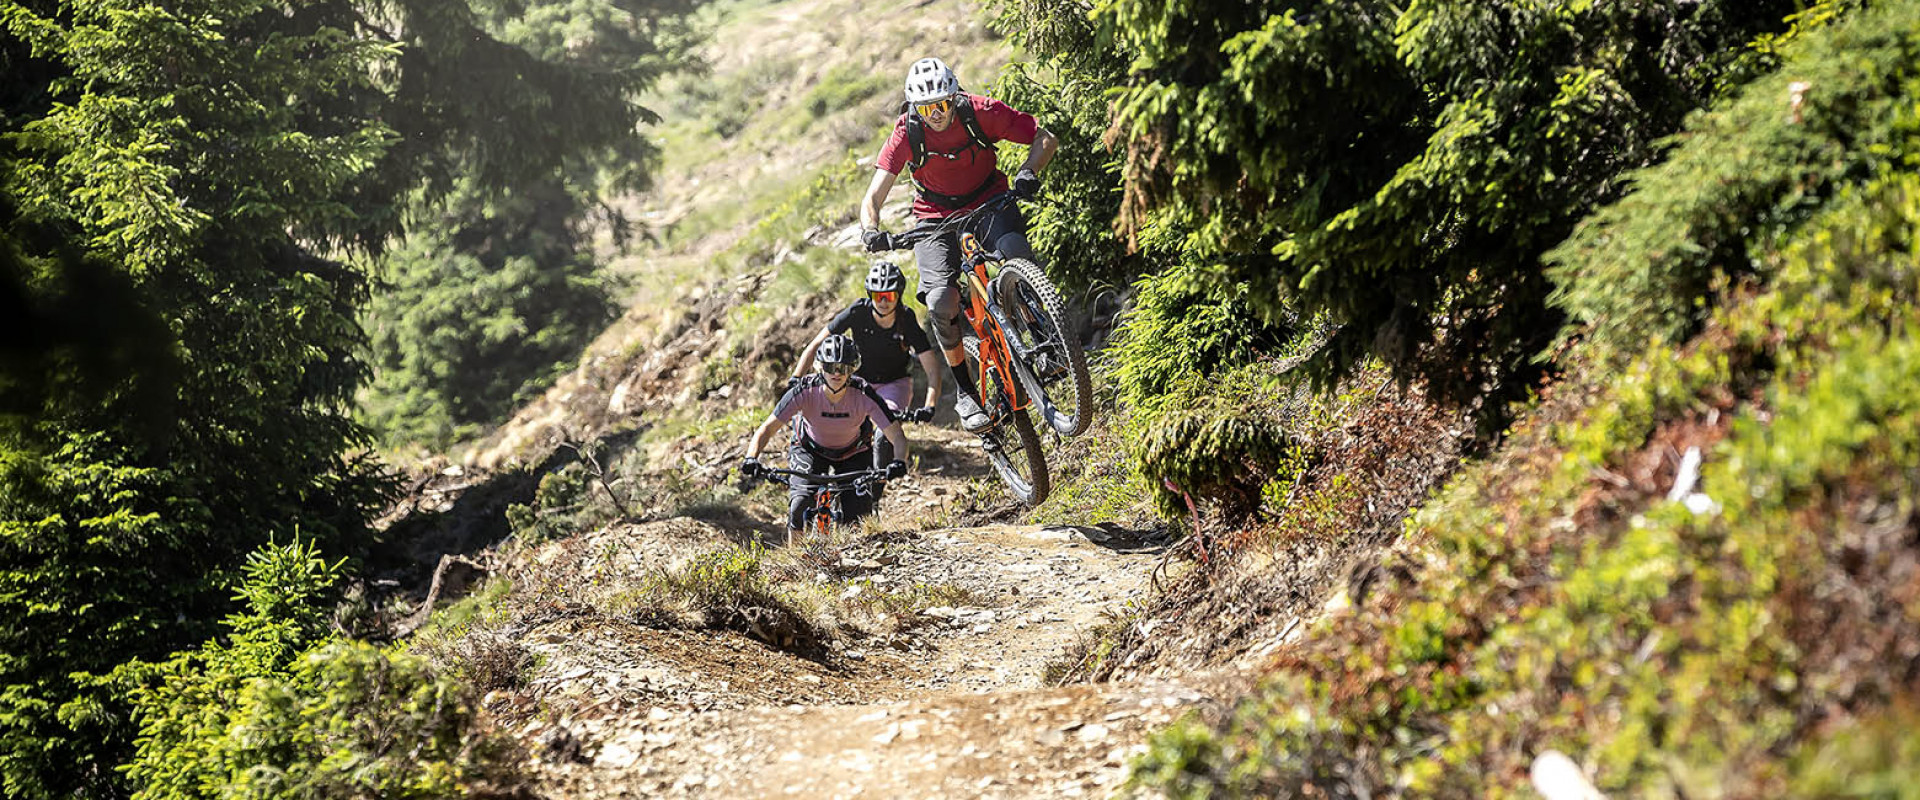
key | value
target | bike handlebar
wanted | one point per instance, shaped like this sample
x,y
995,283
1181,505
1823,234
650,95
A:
x,y
858,480
908,238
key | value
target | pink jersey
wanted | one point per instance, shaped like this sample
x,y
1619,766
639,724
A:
x,y
833,426
970,166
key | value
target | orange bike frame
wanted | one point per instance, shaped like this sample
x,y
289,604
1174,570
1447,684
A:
x,y
823,521
994,353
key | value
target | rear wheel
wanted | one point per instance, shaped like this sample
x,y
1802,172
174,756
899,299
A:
x,y
1055,370
1014,449
1012,445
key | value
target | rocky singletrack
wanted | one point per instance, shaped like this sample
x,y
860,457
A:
x,y
955,706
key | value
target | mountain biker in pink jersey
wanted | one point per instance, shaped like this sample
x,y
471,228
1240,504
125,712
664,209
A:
x,y
946,136
889,337
829,411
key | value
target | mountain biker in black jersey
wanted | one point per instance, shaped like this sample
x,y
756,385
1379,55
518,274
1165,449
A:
x,y
955,169
829,410
886,332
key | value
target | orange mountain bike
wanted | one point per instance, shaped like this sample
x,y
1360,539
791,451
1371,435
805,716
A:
x,y
827,490
1016,329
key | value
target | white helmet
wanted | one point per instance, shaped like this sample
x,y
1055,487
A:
x,y
930,79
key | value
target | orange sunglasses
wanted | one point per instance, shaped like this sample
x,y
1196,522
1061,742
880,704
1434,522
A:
x,y
940,106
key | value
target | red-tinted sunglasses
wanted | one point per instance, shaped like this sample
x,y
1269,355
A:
x,y
890,297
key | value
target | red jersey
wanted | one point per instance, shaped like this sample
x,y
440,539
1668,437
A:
x,y
971,166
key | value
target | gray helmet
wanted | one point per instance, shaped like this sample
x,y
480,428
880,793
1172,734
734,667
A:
x,y
838,349
883,276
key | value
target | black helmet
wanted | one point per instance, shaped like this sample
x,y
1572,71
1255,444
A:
x,y
838,349
885,277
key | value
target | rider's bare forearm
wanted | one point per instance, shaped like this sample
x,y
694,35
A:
x,y
759,440
935,377
899,440
877,191
1041,151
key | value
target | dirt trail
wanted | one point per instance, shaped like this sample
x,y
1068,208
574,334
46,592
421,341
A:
x,y
953,708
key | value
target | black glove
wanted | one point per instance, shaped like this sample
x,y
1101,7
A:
x,y
896,468
1027,184
923,414
752,468
877,240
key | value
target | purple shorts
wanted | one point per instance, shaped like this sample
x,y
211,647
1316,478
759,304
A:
x,y
898,394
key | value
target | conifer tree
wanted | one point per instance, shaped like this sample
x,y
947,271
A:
x,y
228,168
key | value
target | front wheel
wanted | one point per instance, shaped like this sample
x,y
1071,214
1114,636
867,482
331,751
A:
x,y
1056,368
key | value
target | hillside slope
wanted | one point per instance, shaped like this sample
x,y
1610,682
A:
x,y
1692,565
633,637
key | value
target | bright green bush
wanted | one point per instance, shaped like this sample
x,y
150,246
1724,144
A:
x,y
282,709
1218,443
1065,87
1207,409
1181,329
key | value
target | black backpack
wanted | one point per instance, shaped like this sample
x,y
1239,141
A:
x,y
917,142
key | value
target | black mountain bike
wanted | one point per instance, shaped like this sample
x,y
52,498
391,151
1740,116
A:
x,y
1017,331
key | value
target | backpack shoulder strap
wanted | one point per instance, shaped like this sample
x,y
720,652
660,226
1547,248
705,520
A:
x,y
964,110
916,142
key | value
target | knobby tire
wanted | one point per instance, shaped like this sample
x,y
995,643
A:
x,y
1012,451
1036,317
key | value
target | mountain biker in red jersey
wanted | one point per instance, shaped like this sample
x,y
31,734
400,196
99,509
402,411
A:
x,y
946,136
829,411
889,337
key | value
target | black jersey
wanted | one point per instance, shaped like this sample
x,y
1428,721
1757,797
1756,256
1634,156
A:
x,y
885,353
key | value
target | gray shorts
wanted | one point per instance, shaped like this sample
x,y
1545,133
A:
x,y
939,261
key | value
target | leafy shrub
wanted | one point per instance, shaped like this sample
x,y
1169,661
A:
x,y
346,720
1071,228
1219,450
1181,329
1201,412
563,504
281,709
